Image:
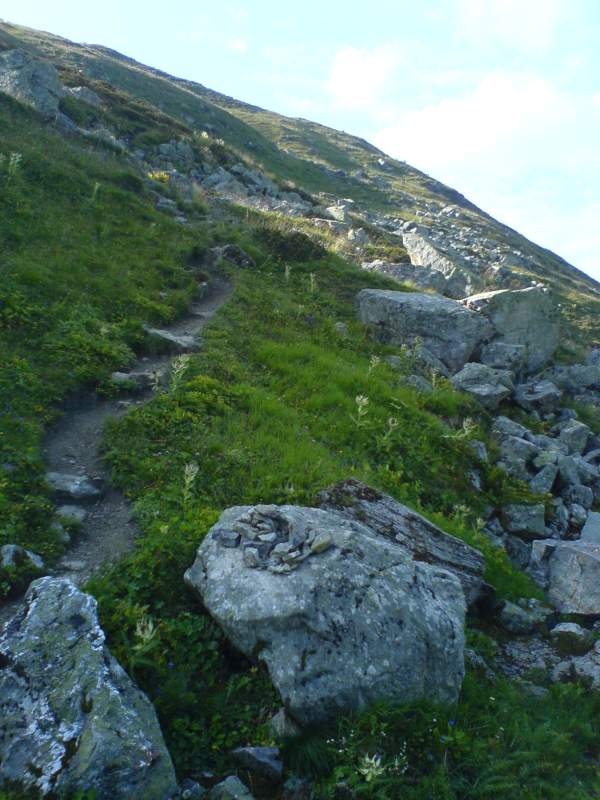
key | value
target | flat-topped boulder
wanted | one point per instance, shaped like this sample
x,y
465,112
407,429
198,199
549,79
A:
x,y
525,317
448,329
340,615
71,720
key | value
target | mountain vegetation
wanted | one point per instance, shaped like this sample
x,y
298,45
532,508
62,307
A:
x,y
119,210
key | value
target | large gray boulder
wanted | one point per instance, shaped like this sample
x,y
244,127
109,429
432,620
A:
x,y
71,720
399,523
485,384
570,570
541,396
448,329
33,82
527,317
524,520
340,615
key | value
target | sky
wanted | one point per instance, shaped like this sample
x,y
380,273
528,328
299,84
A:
x,y
500,99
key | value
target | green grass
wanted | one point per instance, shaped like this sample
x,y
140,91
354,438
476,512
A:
x,y
84,260
267,412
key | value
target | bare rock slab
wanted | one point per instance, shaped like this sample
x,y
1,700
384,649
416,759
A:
x,y
447,328
339,626
31,81
526,317
399,523
71,720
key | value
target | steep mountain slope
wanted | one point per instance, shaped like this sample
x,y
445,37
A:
x,y
321,160
116,207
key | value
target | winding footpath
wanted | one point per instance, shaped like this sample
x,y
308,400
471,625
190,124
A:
x,y
73,446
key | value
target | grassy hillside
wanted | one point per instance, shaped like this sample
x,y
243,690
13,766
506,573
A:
x,y
279,404
85,260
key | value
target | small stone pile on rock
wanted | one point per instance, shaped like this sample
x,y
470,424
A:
x,y
272,540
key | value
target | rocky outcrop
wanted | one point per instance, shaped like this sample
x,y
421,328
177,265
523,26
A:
x,y
570,571
70,718
447,329
526,317
340,615
583,668
425,254
85,95
396,522
452,284
487,385
33,82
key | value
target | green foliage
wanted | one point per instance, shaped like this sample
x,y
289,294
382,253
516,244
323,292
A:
x,y
208,699
267,412
15,579
499,742
291,246
84,260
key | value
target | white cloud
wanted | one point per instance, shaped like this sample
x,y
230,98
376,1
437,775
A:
x,y
521,148
531,24
500,108
237,45
359,77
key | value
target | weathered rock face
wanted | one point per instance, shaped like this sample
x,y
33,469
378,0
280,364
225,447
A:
x,y
541,396
527,317
570,571
340,615
452,284
584,668
448,329
35,83
424,254
70,717
423,540
487,385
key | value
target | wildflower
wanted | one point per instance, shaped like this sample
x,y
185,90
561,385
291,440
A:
x,y
362,409
373,363
371,767
180,365
189,476
145,631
